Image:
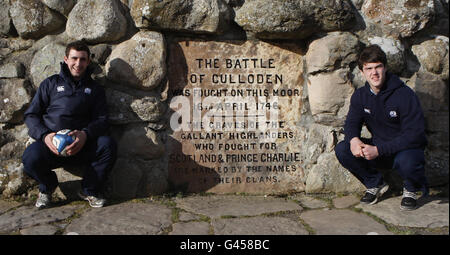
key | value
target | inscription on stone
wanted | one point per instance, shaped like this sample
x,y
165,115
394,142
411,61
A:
x,y
235,107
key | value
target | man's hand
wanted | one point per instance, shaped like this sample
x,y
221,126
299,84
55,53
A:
x,y
48,140
77,145
356,146
369,152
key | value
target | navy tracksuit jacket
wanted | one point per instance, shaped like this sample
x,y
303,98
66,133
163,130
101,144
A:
x,y
395,119
61,103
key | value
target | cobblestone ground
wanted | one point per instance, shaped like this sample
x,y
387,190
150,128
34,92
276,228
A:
x,y
296,214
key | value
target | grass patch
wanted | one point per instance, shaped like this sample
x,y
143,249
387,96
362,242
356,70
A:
x,y
204,218
176,215
308,228
228,217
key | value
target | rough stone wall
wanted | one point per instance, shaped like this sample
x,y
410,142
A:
x,y
131,43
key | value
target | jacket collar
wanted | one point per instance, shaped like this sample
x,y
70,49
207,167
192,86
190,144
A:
x,y
67,76
391,83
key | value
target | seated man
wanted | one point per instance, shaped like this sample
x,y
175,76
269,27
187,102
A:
x,y
70,100
393,115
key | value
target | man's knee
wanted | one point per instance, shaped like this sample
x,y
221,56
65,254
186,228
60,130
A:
x,y
107,145
342,150
34,155
409,160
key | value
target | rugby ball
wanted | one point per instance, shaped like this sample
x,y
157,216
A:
x,y
61,140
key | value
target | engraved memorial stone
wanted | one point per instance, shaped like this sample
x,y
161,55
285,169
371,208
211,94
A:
x,y
235,107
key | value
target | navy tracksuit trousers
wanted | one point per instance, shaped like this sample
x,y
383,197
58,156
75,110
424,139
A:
x,y
98,156
408,163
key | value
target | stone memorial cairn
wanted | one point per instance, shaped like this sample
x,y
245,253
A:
x,y
223,96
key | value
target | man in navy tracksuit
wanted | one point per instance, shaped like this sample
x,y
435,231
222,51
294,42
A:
x,y
70,100
393,115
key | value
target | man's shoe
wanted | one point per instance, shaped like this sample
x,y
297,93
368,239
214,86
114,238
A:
x,y
44,200
372,195
94,201
409,201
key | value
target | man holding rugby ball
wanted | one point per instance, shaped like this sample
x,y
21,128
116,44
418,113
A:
x,y
70,100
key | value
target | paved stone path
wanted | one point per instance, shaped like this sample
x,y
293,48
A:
x,y
229,215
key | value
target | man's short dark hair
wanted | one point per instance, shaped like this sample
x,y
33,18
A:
x,y
371,54
78,46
